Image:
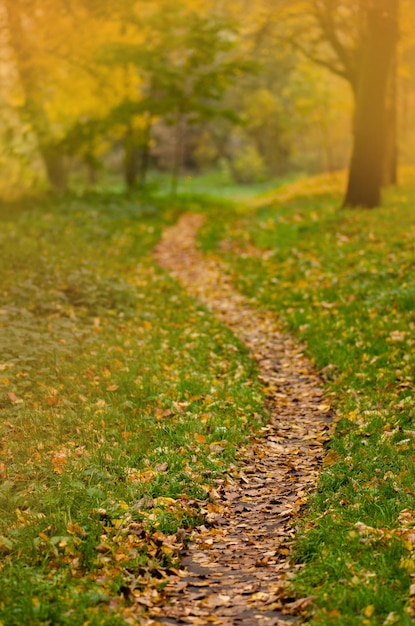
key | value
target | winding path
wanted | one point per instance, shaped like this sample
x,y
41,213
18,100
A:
x,y
238,568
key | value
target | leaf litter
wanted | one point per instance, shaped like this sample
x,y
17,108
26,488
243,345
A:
x,y
237,568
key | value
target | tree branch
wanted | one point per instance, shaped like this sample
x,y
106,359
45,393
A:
x,y
339,71
346,56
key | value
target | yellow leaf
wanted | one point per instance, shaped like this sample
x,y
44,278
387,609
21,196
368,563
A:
x,y
146,476
74,528
164,501
324,407
369,610
331,457
112,387
409,545
408,565
59,460
117,523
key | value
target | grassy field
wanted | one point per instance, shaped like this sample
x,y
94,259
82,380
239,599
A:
x,y
344,282
116,415
217,184
122,400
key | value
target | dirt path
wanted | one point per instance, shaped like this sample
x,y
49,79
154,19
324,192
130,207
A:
x,y
239,567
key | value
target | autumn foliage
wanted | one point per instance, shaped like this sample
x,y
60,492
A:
x,y
102,91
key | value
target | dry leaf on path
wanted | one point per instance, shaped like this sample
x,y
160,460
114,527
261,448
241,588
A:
x,y
239,568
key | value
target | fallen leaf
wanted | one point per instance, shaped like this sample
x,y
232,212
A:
x,y
13,398
331,458
59,460
369,610
112,387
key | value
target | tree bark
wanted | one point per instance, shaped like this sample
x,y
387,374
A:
x,y
54,166
177,153
145,151
390,166
131,158
366,174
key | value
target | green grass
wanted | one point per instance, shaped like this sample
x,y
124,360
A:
x,y
216,184
220,185
344,281
113,387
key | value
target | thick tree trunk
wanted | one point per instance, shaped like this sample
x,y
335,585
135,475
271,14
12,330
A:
x,y
54,166
366,174
390,166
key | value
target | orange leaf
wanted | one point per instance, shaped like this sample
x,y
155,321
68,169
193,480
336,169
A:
x,y
59,461
331,457
112,387
13,398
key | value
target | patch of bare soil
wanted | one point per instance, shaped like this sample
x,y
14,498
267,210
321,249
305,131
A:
x,y
237,566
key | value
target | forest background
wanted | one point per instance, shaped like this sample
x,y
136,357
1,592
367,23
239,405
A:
x,y
110,93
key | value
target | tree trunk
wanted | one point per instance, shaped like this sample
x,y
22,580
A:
x,y
145,151
131,159
390,167
177,154
54,166
366,172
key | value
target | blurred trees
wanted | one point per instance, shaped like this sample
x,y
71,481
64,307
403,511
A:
x,y
52,81
358,41
255,89
25,40
374,156
182,68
